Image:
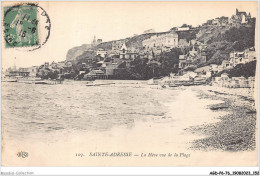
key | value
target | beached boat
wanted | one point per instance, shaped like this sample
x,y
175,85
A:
x,y
27,80
92,83
175,81
173,85
199,81
154,81
9,79
40,81
48,82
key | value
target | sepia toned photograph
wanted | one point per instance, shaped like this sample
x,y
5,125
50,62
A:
x,y
129,84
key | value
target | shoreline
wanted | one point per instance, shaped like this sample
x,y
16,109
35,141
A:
x,y
193,118
236,130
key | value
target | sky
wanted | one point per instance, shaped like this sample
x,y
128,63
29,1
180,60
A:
x,y
76,23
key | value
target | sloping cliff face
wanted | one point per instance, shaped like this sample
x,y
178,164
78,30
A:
x,y
75,52
78,51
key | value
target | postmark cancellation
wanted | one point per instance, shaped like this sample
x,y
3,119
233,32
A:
x,y
26,25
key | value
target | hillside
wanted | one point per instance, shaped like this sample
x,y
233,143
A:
x,y
221,40
135,41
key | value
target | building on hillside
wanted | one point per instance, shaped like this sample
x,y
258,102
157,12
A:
x,y
157,51
111,53
193,42
150,54
99,41
183,43
201,46
250,54
46,65
182,61
32,71
198,44
166,39
209,22
53,65
127,53
203,57
223,21
61,64
142,54
56,67
65,64
193,57
95,42
101,52
110,67
234,82
242,57
216,22
103,64
220,21
193,53
240,18
117,45
95,74
133,52
123,52
183,28
226,64
237,58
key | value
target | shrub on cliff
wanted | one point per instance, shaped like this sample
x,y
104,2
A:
x,y
222,41
245,70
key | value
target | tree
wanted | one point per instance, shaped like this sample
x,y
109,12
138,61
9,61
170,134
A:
x,y
246,70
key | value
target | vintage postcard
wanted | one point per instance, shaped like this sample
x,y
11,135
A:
x,y
129,84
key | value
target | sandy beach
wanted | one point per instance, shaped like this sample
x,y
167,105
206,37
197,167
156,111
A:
x,y
199,119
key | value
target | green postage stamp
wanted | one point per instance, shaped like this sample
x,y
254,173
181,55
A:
x,y
21,26
26,26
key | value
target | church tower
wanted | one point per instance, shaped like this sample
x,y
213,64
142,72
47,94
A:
x,y
94,42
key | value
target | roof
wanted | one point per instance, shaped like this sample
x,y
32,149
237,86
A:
x,y
238,78
123,47
193,41
224,74
182,56
19,72
96,72
225,61
252,49
203,69
193,52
